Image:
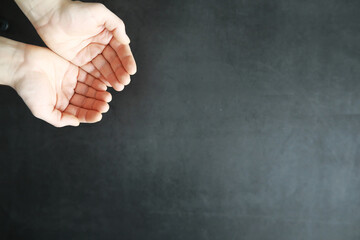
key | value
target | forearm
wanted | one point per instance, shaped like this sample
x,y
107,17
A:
x,y
39,11
11,59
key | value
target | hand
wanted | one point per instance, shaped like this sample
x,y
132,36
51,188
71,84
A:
x,y
91,37
57,91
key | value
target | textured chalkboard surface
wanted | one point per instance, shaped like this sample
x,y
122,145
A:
x,y
243,122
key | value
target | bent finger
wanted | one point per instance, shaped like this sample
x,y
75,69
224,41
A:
x,y
89,103
125,55
84,115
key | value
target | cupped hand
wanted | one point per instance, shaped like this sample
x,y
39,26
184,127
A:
x,y
93,38
59,92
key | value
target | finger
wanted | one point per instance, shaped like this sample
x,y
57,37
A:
x,y
90,92
114,24
91,81
88,52
120,73
89,103
105,69
103,37
62,119
83,115
92,70
125,55
104,81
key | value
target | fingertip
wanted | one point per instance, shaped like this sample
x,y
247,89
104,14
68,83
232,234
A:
x,y
92,116
129,64
132,69
69,120
121,37
73,121
108,98
129,67
125,79
127,39
118,87
98,118
77,123
103,87
105,108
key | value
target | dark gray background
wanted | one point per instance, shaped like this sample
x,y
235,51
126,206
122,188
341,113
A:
x,y
242,123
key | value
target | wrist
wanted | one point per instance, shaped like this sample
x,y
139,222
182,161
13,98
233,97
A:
x,y
12,57
40,11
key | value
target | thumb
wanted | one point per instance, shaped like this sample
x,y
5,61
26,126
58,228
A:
x,y
114,24
62,119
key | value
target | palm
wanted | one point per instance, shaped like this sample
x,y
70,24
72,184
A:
x,y
93,38
59,92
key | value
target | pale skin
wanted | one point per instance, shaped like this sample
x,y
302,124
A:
x,y
92,52
54,89
86,34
